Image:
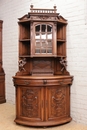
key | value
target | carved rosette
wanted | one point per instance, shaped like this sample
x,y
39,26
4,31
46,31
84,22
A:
x,y
29,103
58,102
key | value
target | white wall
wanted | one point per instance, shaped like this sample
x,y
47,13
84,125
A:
x,y
75,12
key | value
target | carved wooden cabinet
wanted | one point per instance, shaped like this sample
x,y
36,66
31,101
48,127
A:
x,y
42,83
2,74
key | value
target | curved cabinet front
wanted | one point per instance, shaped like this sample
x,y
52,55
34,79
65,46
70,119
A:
x,y
42,101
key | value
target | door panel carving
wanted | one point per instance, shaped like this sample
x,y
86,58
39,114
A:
x,y
30,103
57,102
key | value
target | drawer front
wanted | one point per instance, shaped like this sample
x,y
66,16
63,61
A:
x,y
41,82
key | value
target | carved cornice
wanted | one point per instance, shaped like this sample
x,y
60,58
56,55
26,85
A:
x,y
43,14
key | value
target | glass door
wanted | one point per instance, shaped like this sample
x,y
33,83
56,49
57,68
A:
x,y
43,39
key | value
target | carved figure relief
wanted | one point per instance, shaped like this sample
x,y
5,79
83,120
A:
x,y
63,62
22,62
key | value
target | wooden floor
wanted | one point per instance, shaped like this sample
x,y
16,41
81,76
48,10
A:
x,y
7,116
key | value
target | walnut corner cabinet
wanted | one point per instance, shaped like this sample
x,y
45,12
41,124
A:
x,y
42,83
2,74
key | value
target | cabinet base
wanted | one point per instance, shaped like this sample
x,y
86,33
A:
x,y
44,123
2,101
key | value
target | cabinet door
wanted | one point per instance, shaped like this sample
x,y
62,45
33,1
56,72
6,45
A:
x,y
30,103
57,102
43,40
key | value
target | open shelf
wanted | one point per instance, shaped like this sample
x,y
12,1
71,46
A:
x,y
24,40
21,56
26,55
61,40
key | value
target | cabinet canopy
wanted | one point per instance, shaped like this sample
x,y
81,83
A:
x,y
36,14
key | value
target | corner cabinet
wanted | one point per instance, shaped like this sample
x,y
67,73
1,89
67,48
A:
x,y
2,74
42,83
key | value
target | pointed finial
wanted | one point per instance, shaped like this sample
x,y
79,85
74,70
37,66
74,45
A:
x,y
55,9
31,5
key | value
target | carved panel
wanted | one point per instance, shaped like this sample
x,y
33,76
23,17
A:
x,y
42,67
58,102
30,102
43,18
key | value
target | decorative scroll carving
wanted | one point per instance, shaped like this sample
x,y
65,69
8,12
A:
x,y
29,103
58,102
43,18
63,62
22,63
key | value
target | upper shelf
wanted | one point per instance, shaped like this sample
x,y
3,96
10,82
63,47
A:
x,y
60,40
31,56
24,40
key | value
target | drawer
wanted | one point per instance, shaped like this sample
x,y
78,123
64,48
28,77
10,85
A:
x,y
41,82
